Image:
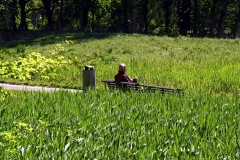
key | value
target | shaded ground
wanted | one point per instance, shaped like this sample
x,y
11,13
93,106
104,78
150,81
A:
x,y
11,40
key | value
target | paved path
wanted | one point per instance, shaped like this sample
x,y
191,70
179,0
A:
x,y
33,88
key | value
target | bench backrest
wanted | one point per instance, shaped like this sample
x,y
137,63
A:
x,y
121,85
125,86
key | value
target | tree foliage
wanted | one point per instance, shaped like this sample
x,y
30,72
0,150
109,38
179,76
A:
x,y
212,18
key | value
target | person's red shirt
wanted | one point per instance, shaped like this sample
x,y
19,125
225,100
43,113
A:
x,y
122,77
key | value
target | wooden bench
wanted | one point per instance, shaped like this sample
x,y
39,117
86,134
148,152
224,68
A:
x,y
126,86
121,85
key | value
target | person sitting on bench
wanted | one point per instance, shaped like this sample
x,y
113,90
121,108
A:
x,y
121,76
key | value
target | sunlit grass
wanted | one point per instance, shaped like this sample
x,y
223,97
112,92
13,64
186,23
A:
x,y
204,124
113,125
194,64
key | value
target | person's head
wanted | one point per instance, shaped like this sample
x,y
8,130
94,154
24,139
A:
x,y
122,68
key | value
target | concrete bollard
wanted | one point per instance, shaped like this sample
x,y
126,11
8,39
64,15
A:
x,y
89,78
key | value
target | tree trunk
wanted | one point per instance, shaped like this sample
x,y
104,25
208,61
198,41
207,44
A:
x,y
145,16
93,10
49,8
213,18
13,11
236,22
86,8
183,11
125,15
50,20
167,7
221,18
23,15
61,15
196,17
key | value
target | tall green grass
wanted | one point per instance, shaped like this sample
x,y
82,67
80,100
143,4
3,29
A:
x,y
204,124
194,64
113,125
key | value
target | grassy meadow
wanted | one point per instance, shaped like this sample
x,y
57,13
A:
x,y
194,64
103,124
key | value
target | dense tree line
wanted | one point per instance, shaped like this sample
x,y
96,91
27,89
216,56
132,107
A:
x,y
211,18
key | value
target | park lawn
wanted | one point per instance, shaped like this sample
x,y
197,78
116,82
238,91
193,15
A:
x,y
210,65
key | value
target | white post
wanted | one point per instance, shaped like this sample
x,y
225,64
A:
x,y
89,78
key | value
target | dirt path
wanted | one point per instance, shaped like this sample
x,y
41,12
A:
x,y
33,88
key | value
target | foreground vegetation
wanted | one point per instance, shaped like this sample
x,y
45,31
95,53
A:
x,y
112,125
204,124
